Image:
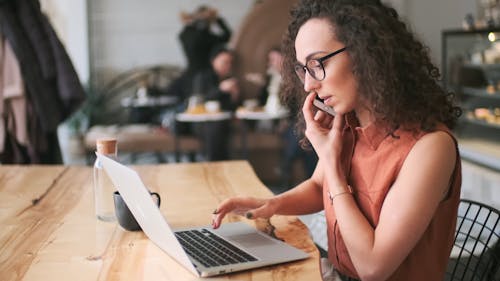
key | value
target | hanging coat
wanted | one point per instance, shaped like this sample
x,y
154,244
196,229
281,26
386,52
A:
x,y
52,86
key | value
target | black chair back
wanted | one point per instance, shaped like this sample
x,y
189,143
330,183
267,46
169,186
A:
x,y
476,251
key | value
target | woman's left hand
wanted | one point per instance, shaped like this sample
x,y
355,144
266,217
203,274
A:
x,y
323,131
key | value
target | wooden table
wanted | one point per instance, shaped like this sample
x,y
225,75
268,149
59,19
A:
x,y
48,230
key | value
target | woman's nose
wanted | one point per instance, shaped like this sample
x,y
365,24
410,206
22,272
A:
x,y
310,83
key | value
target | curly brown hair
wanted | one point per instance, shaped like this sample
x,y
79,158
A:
x,y
392,68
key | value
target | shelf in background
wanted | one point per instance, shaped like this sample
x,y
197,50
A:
x,y
482,123
480,92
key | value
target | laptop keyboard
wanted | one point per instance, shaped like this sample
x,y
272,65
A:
x,y
211,250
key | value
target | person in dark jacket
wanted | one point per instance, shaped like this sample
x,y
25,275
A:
x,y
198,41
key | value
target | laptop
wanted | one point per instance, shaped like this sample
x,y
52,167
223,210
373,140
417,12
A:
x,y
232,247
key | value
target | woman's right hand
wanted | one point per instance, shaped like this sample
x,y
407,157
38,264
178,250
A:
x,y
323,131
250,207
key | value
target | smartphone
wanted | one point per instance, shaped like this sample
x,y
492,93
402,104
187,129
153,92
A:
x,y
321,105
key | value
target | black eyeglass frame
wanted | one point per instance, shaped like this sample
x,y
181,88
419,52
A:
x,y
305,68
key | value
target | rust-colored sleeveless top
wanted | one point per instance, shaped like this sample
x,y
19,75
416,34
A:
x,y
373,160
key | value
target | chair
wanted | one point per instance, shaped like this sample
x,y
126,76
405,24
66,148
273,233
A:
x,y
476,251
111,119
107,103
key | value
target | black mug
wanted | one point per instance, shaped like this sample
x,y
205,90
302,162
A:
x,y
123,214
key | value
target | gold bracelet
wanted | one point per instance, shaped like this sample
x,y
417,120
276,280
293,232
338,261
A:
x,y
348,191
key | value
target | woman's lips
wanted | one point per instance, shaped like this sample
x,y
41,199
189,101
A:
x,y
326,99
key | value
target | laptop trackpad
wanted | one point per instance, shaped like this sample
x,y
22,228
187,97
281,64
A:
x,y
251,240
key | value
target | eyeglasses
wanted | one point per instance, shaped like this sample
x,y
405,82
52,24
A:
x,y
315,67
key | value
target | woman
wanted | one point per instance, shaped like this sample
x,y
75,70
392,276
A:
x,y
388,175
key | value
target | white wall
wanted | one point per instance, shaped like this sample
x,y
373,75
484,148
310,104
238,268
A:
x,y
429,17
69,19
131,33
156,24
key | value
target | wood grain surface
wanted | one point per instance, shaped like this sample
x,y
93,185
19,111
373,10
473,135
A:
x,y
48,230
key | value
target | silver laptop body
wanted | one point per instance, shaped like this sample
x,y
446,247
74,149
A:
x,y
265,249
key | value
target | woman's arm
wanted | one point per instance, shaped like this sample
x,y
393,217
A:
x,y
407,211
305,198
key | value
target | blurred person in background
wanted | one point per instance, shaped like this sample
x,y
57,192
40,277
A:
x,y
198,40
213,84
270,95
217,82
270,99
